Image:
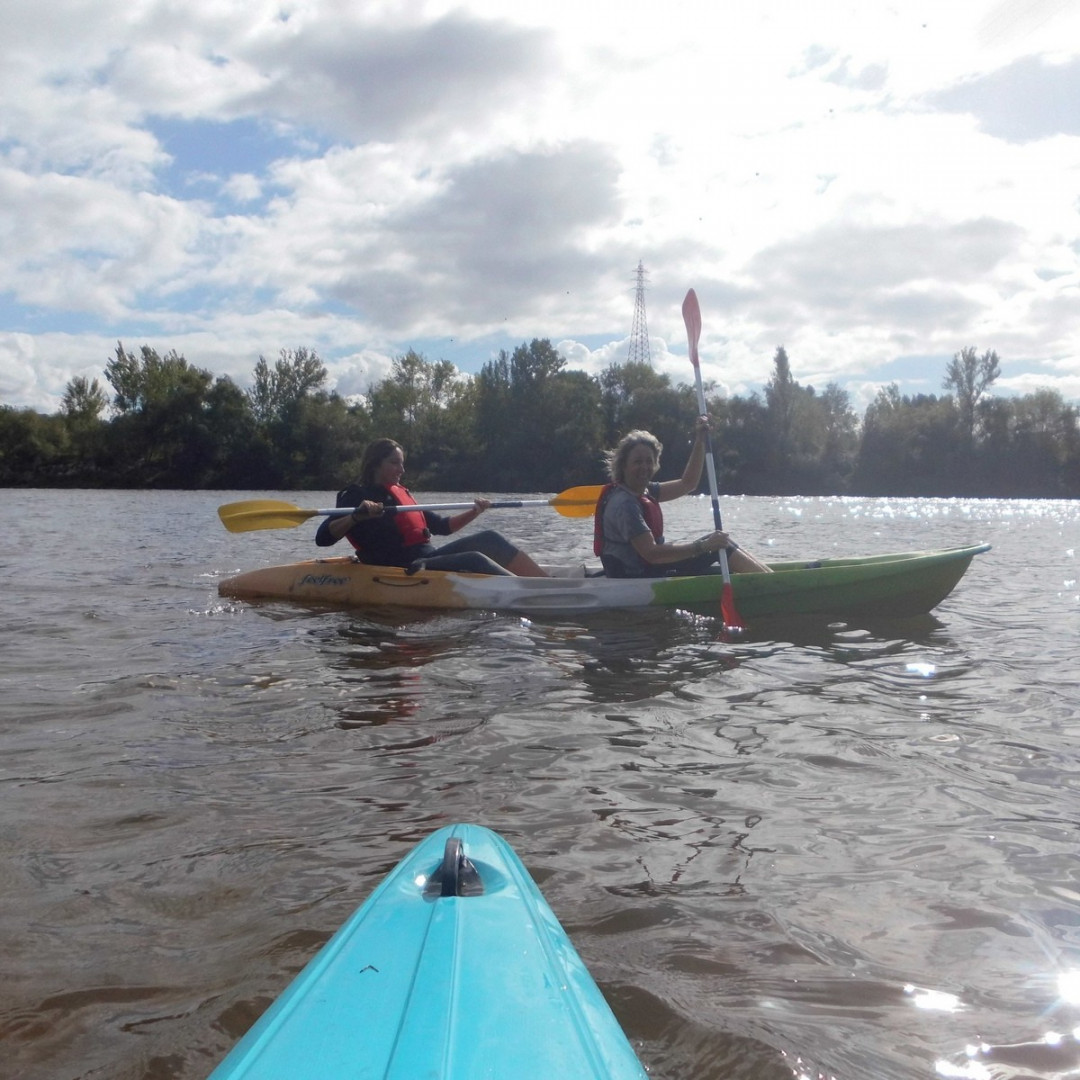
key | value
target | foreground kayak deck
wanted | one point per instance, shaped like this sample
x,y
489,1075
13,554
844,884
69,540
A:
x,y
455,967
894,586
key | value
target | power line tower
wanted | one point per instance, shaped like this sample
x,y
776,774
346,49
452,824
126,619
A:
x,y
639,333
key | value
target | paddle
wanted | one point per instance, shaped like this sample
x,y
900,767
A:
x,y
255,514
691,313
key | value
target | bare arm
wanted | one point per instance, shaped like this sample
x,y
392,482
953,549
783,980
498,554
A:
x,y
691,477
740,560
659,554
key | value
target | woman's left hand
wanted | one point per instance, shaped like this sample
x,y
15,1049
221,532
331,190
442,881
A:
x,y
480,505
702,427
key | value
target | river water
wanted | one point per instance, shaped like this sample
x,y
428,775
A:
x,y
840,850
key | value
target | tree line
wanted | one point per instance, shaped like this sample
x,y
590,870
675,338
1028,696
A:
x,y
526,423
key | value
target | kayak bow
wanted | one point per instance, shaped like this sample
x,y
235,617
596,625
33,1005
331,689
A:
x,y
455,968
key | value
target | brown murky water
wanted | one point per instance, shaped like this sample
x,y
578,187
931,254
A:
x,y
841,850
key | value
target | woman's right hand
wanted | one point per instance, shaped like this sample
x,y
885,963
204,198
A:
x,y
714,541
366,510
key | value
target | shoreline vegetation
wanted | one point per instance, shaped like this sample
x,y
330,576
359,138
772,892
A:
x,y
524,423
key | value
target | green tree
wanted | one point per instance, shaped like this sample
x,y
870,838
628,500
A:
x,y
538,426
969,376
277,390
427,407
908,446
494,423
526,423
304,435
810,439
635,396
237,455
34,449
82,400
160,434
1030,447
81,408
781,396
571,452
840,424
533,364
141,383
741,444
327,439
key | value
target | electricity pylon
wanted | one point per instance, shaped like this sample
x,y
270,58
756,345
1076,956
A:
x,y
639,333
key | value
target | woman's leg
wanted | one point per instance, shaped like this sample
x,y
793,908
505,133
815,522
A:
x,y
522,565
496,547
461,562
740,561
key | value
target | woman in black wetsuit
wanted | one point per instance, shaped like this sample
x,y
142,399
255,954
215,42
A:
x,y
405,539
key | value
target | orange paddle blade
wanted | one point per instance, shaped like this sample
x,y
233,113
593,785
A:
x,y
578,502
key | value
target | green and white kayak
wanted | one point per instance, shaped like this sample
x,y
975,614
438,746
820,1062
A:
x,y
892,586
455,968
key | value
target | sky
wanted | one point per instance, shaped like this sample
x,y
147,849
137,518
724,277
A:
x,y
872,185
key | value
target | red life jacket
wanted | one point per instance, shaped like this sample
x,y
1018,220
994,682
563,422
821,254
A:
x,y
650,510
412,527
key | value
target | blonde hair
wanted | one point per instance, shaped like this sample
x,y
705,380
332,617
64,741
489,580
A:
x,y
616,459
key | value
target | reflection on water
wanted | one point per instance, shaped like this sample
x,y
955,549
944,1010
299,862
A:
x,y
1054,1054
820,850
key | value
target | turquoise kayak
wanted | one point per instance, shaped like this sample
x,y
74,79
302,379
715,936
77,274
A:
x,y
455,968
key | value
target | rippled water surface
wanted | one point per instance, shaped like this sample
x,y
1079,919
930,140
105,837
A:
x,y
846,850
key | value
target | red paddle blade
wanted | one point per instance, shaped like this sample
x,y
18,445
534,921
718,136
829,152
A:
x,y
732,619
691,313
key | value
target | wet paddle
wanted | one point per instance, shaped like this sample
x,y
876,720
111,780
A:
x,y
692,318
253,515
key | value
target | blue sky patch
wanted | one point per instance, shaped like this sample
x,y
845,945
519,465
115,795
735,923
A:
x,y
20,318
206,151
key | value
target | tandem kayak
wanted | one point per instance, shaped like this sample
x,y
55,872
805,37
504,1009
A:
x,y
892,586
454,967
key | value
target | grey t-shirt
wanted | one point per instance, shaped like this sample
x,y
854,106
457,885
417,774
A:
x,y
623,520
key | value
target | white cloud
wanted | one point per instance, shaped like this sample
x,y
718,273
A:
x,y
243,187
858,184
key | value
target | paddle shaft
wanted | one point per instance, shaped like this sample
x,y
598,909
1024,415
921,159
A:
x,y
692,319
710,464
255,514
504,504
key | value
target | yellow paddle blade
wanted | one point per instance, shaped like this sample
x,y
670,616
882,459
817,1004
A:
x,y
577,502
254,514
